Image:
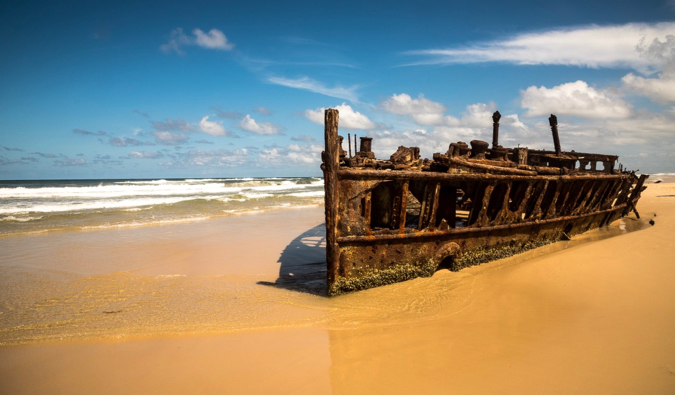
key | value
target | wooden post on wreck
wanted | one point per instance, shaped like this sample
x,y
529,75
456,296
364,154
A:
x,y
332,163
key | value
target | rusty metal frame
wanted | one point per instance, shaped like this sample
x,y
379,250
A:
x,y
475,205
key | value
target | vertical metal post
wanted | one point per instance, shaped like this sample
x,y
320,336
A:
x,y
349,144
553,121
355,150
495,128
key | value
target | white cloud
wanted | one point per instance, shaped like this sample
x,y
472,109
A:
x,y
478,115
662,88
593,46
292,153
349,119
178,39
422,110
211,127
216,158
306,83
575,99
475,123
429,113
250,124
168,138
143,155
127,141
214,39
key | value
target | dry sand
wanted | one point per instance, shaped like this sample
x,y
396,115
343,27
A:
x,y
194,309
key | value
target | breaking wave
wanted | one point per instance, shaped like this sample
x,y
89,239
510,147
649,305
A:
x,y
37,206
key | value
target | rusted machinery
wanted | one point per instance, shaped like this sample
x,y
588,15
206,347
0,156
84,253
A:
x,y
393,220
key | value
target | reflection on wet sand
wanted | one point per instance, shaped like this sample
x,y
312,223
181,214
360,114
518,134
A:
x,y
590,315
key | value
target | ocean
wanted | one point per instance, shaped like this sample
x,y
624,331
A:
x,y
54,205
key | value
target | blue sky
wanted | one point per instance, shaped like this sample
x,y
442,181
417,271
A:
x,y
196,89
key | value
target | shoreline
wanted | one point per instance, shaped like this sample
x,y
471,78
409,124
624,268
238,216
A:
x,y
168,222
591,316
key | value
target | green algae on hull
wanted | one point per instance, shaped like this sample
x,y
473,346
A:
x,y
484,255
371,277
368,277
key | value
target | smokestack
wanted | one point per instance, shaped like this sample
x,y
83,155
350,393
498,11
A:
x,y
366,144
553,121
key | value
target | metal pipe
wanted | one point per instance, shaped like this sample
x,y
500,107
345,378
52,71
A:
x,y
355,150
553,121
349,144
495,129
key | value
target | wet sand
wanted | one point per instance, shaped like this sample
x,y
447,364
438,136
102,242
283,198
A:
x,y
234,305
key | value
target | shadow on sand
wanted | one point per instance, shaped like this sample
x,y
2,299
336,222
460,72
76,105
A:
x,y
303,263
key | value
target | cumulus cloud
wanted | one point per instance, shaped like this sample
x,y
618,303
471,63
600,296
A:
x,y
474,123
143,114
251,125
214,39
215,158
168,138
211,127
477,115
662,88
575,99
614,46
426,112
422,110
308,84
349,119
291,154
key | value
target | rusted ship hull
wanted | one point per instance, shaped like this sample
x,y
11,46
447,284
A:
x,y
390,221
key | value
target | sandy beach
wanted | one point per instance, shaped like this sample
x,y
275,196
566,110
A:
x,y
235,305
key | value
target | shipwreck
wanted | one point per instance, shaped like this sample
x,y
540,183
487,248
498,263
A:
x,y
393,220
